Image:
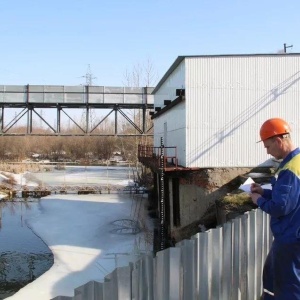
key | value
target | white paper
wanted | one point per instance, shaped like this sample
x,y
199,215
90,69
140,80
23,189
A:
x,y
246,186
267,186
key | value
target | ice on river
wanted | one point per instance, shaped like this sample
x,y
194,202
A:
x,y
81,232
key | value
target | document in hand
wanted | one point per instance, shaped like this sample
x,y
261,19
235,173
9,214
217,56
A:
x,y
267,186
246,186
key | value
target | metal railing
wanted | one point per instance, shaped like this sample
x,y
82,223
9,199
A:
x,y
59,94
151,155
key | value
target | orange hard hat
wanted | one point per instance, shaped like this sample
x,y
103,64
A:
x,y
273,127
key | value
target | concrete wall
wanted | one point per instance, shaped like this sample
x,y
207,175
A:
x,y
198,192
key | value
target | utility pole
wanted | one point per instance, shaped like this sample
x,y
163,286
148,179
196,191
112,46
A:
x,y
285,47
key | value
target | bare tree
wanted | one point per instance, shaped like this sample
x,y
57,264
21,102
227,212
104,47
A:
x,y
141,75
150,74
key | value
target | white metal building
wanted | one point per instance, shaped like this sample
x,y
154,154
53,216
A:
x,y
227,98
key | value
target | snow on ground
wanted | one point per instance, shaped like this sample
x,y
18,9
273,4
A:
x,y
79,231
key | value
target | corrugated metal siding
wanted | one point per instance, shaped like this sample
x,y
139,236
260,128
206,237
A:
x,y
228,98
223,263
176,131
175,118
168,89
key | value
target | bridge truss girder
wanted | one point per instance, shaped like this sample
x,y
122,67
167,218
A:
x,y
118,101
85,129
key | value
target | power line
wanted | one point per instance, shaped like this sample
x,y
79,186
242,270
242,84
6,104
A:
x,y
89,82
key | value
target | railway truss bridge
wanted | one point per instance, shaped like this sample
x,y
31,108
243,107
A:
x,y
50,106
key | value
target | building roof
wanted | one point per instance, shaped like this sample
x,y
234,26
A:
x,y
179,59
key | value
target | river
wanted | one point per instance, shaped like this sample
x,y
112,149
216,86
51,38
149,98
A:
x,y
23,255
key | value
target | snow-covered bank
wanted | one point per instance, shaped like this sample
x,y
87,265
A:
x,y
79,230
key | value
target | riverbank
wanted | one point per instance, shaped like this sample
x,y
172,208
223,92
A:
x,y
79,232
83,233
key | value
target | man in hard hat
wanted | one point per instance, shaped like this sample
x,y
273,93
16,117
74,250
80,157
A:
x,y
281,276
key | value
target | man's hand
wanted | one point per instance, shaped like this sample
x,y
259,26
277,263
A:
x,y
256,192
254,197
256,188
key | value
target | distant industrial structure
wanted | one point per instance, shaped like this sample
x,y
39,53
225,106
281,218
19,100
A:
x,y
89,77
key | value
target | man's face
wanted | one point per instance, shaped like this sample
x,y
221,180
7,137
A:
x,y
273,147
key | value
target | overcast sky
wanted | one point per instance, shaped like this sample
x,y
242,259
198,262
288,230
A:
x,y
53,42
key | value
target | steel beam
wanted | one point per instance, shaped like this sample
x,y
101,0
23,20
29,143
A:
x,y
118,99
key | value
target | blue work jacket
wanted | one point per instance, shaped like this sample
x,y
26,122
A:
x,y
282,203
